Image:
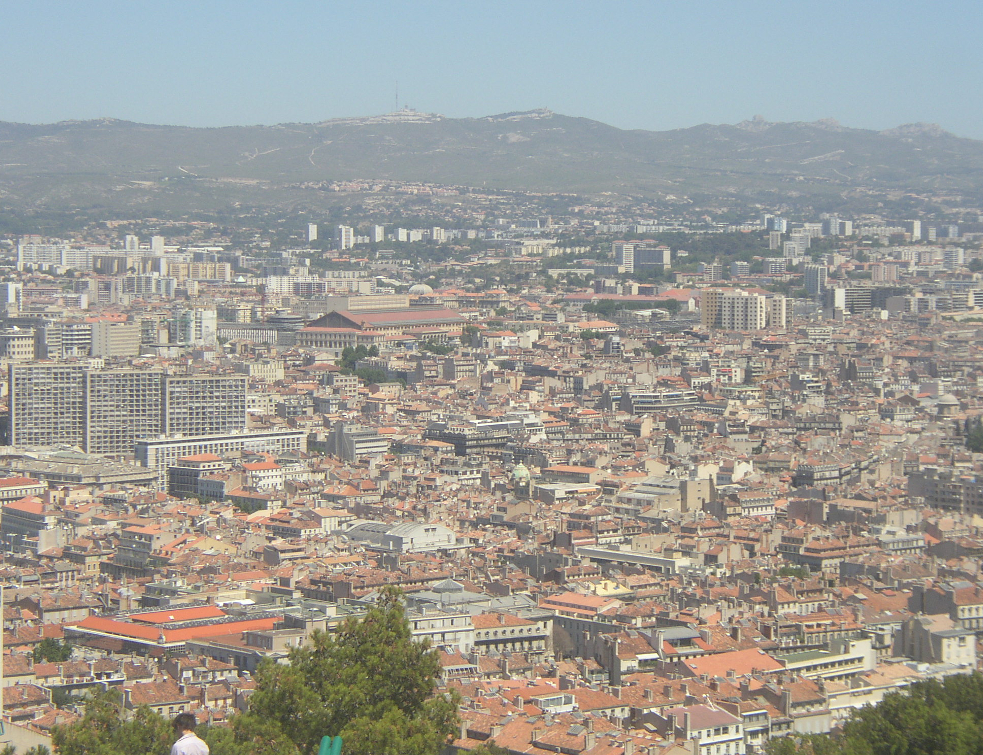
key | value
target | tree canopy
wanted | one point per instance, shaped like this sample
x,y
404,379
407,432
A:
x,y
52,651
974,437
350,357
369,683
933,718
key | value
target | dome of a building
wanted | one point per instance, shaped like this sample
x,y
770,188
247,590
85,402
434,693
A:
x,y
521,472
949,400
420,289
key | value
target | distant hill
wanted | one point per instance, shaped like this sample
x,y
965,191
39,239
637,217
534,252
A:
x,y
113,163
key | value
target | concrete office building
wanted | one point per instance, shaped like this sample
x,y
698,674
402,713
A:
x,y
11,297
815,279
161,453
204,404
17,344
47,404
775,266
352,442
193,327
115,339
107,411
344,237
121,406
742,310
624,255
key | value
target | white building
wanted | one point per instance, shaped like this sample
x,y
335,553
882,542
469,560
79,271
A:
x,y
193,327
624,255
412,537
344,236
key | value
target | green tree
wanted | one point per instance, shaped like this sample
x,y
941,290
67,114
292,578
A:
x,y
909,724
929,719
370,683
974,437
52,651
435,347
350,357
248,735
488,747
104,730
799,572
371,375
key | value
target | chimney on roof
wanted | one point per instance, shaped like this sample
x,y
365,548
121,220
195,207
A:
x,y
534,735
590,739
629,746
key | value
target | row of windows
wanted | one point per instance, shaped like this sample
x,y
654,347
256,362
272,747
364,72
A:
x,y
506,633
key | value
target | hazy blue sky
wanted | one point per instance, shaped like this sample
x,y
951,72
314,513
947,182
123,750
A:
x,y
654,65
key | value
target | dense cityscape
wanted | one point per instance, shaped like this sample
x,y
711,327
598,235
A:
x,y
671,483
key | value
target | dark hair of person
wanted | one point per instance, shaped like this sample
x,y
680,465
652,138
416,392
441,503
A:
x,y
184,722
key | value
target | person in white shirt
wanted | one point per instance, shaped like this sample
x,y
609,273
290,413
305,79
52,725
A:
x,y
188,742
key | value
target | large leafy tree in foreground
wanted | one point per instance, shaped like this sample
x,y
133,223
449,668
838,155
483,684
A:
x,y
932,718
369,683
104,731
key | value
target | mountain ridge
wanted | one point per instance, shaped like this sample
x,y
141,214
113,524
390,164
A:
x,y
94,162
409,115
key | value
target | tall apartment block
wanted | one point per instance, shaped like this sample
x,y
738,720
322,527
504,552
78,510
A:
x,y
204,404
107,411
344,237
633,255
47,404
741,310
624,255
121,406
815,279
775,266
